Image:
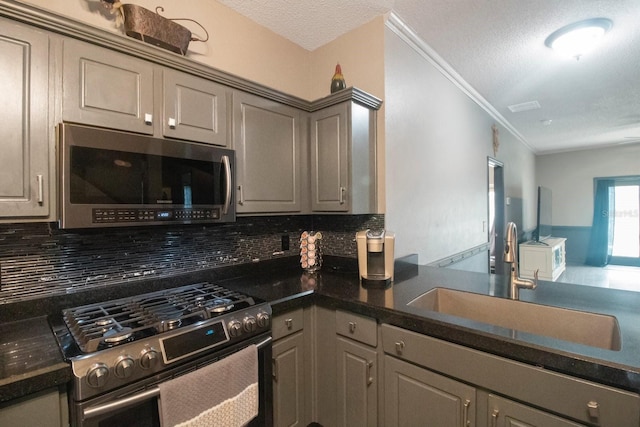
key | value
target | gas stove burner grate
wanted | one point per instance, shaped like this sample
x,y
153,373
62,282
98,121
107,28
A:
x,y
107,324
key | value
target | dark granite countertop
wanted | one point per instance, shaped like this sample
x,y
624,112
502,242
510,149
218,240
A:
x,y
286,287
30,360
340,289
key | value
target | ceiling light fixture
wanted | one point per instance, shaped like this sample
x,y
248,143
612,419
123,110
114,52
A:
x,y
576,39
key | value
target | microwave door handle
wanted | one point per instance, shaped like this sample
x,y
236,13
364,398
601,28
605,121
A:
x,y
227,172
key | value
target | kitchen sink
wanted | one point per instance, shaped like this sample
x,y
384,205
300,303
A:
x,y
592,329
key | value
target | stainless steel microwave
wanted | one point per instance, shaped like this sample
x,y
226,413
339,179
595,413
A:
x,y
111,179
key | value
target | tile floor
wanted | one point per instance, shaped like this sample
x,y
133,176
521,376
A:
x,y
611,276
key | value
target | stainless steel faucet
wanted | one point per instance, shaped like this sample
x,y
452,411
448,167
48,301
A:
x,y
511,257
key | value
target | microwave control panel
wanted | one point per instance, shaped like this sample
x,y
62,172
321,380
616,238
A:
x,y
146,215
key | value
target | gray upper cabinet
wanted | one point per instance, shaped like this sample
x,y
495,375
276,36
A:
x,y
343,159
24,134
105,88
195,109
267,140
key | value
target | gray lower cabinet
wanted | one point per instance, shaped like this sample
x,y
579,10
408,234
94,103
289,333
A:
x,y
431,367
195,109
105,88
288,370
506,413
356,370
47,408
288,381
343,159
415,396
24,136
268,144
357,384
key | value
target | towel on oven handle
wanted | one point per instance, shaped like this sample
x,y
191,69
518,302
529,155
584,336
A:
x,y
222,394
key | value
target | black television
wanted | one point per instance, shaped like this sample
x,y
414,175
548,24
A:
x,y
543,225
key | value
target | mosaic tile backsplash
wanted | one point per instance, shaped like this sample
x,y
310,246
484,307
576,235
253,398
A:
x,y
39,260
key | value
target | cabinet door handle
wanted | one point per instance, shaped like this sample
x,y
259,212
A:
x,y
274,366
369,376
494,418
40,182
241,198
148,119
172,123
342,191
352,327
466,422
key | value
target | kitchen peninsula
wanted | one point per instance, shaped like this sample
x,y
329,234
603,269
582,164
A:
x,y
611,376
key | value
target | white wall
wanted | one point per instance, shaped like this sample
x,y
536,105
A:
x,y
437,143
570,178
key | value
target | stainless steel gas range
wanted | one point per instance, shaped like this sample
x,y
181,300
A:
x,y
120,350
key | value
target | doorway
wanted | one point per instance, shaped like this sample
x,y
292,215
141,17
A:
x,y
626,225
496,225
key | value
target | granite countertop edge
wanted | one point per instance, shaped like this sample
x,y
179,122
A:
x,y
290,289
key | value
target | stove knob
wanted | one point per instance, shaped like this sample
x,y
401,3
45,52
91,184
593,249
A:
x,y
148,358
263,319
249,323
97,375
124,367
235,328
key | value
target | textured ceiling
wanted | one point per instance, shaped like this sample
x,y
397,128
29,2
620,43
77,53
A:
x,y
497,46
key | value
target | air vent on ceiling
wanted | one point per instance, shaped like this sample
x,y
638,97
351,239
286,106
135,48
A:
x,y
525,106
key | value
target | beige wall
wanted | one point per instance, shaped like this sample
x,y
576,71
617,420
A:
x,y
570,178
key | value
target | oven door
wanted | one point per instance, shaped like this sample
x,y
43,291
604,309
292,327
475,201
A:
x,y
137,404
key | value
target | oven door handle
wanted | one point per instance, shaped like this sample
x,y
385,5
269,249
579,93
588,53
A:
x,y
263,342
94,411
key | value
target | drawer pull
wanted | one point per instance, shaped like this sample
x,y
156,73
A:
x,y
594,409
399,347
352,327
289,323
